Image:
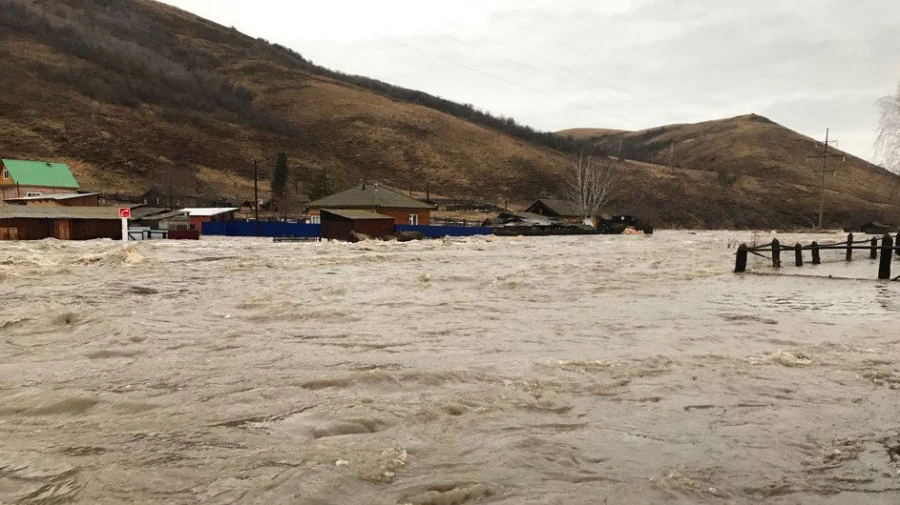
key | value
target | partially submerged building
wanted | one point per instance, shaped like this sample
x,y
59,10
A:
x,y
199,215
20,178
23,222
339,224
377,199
552,208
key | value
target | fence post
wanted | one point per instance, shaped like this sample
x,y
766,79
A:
x,y
850,247
897,244
884,268
816,258
776,253
740,265
873,252
798,254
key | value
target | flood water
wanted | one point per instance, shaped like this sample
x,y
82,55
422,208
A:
x,y
556,370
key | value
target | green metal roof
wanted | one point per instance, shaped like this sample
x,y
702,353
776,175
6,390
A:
x,y
40,173
369,196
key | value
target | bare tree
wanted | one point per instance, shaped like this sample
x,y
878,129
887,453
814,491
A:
x,y
590,184
888,144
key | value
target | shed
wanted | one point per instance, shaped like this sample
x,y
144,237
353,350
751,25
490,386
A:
x,y
199,215
877,228
21,222
338,224
20,178
563,210
377,199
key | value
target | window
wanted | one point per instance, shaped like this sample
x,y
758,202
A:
x,y
315,219
5,173
414,219
32,193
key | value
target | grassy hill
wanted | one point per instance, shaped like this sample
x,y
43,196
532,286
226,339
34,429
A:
x,y
131,92
135,94
750,171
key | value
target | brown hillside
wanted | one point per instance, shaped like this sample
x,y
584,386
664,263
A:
x,y
760,170
131,94
587,133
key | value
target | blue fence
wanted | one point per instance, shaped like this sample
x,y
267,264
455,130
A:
x,y
266,229
279,229
444,231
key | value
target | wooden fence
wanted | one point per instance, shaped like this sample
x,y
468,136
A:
x,y
884,250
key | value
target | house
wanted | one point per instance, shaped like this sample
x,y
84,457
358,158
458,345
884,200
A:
x,y
877,228
24,222
169,220
199,215
563,210
338,224
377,199
58,200
20,178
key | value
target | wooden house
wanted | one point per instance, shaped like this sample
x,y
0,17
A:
x,y
377,199
23,222
338,224
562,210
20,178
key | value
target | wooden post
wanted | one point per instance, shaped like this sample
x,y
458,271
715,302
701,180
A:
x,y
884,267
873,251
776,253
850,247
897,244
740,265
817,259
798,255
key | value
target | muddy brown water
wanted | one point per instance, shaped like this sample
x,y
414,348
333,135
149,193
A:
x,y
557,370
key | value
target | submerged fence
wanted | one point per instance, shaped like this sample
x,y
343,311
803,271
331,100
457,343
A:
x,y
279,229
883,251
261,229
444,231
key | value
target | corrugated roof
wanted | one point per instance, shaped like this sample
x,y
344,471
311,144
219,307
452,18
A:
x,y
57,196
33,212
208,211
356,214
40,173
143,212
368,196
166,215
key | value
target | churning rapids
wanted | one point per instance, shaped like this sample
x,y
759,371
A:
x,y
558,370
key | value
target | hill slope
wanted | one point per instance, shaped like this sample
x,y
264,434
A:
x,y
133,91
759,173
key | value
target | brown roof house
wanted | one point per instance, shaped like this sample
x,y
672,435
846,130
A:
x,y
378,199
25,222
563,210
20,178
340,224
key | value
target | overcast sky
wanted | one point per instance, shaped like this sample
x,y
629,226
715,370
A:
x,y
626,64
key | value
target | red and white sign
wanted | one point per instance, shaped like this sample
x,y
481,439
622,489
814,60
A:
x,y
125,212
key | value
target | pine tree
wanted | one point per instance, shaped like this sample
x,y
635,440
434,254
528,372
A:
x,y
280,176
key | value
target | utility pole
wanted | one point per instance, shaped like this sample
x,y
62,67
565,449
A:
x,y
824,156
256,194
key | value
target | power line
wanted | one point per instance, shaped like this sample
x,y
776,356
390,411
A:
x,y
599,85
577,49
824,157
493,76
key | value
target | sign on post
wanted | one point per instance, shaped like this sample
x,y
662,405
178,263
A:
x,y
125,215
